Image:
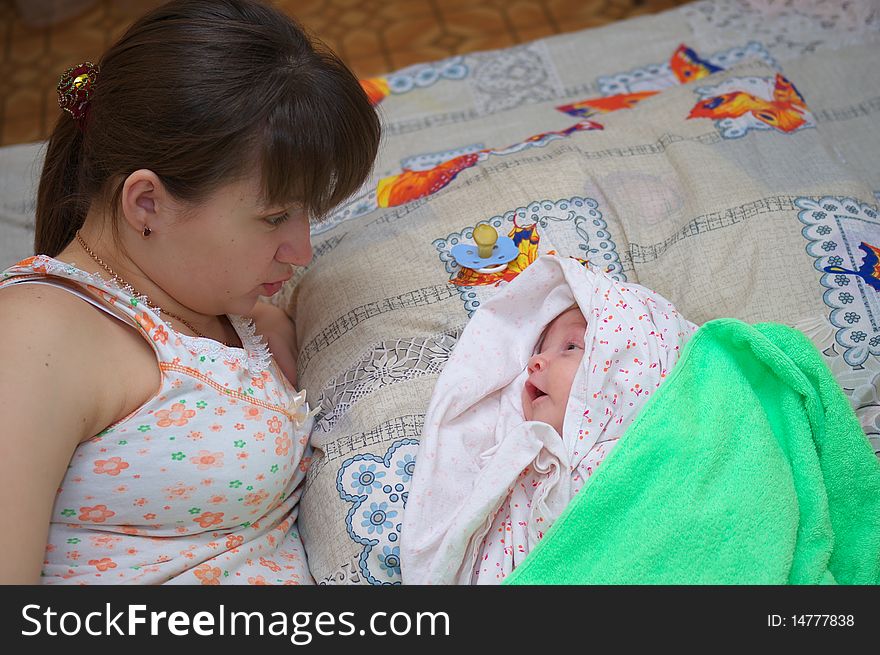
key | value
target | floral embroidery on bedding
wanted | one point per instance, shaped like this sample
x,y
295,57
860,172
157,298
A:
x,y
378,488
419,76
383,364
569,227
861,383
740,104
842,236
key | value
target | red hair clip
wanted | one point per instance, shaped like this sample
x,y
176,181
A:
x,y
75,89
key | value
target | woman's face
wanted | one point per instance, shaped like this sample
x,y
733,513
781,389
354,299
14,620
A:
x,y
217,256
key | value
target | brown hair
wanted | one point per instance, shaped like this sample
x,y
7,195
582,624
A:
x,y
199,91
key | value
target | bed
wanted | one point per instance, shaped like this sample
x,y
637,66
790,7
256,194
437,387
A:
x,y
725,153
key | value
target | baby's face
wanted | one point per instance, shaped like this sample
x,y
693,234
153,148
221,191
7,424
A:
x,y
552,369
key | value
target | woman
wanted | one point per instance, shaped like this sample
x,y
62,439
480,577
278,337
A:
x,y
149,435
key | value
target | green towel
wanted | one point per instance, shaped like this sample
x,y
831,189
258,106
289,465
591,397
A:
x,y
748,466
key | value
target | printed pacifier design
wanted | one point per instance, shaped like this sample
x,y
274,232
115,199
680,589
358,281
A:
x,y
491,252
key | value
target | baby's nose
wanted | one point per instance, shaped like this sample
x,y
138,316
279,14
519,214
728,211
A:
x,y
536,363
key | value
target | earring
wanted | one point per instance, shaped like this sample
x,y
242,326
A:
x,y
147,231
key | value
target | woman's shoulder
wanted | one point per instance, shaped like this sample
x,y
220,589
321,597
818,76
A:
x,y
54,342
34,309
47,340
59,300
48,326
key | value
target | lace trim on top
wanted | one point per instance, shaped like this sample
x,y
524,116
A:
x,y
254,355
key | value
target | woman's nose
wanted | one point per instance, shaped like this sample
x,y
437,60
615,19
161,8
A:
x,y
298,253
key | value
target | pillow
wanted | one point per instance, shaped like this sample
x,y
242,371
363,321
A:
x,y
709,193
20,167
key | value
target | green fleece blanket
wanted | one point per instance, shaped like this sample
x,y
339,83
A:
x,y
747,466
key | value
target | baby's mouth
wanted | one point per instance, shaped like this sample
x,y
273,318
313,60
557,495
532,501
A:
x,y
533,392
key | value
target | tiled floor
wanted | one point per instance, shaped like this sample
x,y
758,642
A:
x,y
372,36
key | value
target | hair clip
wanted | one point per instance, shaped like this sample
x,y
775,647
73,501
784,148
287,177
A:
x,y
75,89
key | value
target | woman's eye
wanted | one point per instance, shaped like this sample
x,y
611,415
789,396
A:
x,y
277,220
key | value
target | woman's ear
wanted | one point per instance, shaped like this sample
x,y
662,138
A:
x,y
144,201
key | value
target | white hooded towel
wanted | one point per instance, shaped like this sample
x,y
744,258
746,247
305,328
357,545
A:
x,y
487,483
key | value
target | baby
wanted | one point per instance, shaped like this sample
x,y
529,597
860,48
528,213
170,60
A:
x,y
546,395
543,382
552,369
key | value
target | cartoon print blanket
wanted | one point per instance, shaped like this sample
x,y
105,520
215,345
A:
x,y
487,483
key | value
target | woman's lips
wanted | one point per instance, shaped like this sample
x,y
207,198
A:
x,y
271,288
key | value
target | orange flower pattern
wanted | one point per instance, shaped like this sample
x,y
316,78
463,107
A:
x,y
282,444
252,413
143,319
205,460
178,492
160,334
207,519
112,466
103,564
274,425
96,514
177,416
207,574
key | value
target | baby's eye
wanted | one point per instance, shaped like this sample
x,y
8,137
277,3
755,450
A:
x,y
275,221
573,345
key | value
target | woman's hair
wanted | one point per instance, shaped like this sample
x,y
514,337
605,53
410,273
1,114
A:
x,y
201,92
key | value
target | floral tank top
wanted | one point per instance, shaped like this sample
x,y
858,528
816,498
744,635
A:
x,y
201,484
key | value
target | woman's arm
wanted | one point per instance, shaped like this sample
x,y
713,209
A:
x,y
52,396
280,333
